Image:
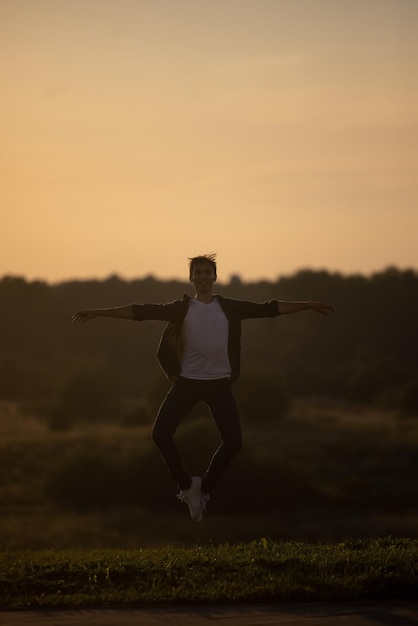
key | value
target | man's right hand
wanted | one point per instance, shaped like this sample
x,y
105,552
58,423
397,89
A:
x,y
84,316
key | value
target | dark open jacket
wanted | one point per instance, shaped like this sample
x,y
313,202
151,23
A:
x,y
170,348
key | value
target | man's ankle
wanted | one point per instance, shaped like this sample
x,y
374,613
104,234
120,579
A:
x,y
184,486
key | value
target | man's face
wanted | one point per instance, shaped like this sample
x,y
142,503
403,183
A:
x,y
202,276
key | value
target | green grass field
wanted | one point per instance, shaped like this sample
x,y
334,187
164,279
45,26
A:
x,y
89,516
326,471
259,571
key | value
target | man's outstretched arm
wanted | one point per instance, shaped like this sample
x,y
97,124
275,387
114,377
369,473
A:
x,y
294,307
119,312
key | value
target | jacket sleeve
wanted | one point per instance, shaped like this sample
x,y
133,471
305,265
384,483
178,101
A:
x,y
162,312
251,310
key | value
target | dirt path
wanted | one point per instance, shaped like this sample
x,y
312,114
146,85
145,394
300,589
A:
x,y
295,614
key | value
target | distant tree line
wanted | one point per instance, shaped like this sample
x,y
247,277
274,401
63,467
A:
x,y
367,353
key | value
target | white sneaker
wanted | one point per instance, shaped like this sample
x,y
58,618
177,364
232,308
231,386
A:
x,y
192,497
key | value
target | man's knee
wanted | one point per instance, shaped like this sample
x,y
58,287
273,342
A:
x,y
238,445
158,435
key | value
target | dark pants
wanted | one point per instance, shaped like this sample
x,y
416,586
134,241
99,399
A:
x,y
181,398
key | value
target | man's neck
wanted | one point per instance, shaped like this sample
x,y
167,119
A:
x,y
207,298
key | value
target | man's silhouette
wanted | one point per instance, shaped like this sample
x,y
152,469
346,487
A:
x,y
200,352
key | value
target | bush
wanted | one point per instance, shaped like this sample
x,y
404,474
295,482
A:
x,y
261,396
139,416
370,373
87,479
92,394
60,419
410,398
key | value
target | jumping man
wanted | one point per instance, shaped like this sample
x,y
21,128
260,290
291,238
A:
x,y
200,352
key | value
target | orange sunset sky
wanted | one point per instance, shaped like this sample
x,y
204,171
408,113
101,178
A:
x,y
281,134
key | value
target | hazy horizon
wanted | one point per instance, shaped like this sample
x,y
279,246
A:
x,y
222,279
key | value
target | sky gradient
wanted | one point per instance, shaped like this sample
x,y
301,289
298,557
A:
x,y
281,134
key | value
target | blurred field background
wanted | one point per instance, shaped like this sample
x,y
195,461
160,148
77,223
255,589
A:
x,y
329,409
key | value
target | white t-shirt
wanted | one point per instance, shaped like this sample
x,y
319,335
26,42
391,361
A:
x,y
205,342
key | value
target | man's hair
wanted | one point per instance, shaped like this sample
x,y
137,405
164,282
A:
x,y
210,259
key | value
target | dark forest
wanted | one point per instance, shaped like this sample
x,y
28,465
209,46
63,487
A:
x,y
366,353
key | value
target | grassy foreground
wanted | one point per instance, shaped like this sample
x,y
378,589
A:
x,y
260,571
